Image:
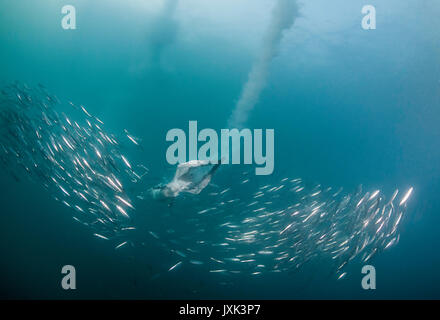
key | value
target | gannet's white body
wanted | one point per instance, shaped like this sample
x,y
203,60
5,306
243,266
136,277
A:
x,y
190,177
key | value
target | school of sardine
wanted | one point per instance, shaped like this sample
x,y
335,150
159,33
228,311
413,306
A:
x,y
282,227
74,158
241,229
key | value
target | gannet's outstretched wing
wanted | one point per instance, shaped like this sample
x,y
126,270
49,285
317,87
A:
x,y
190,177
193,176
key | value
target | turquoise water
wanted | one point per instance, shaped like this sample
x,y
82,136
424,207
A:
x,y
348,106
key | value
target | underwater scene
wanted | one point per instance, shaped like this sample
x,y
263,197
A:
x,y
221,149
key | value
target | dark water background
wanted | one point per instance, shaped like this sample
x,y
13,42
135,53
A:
x,y
348,106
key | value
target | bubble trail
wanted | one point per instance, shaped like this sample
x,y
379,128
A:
x,y
284,15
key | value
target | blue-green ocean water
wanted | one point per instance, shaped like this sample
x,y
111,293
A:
x,y
349,107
